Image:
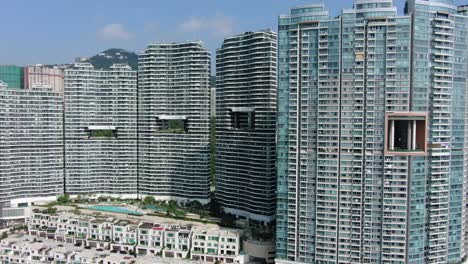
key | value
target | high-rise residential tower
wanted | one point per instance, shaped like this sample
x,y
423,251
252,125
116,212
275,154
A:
x,y
246,125
101,130
174,121
439,83
371,134
31,145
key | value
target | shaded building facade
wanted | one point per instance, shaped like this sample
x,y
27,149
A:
x,y
246,125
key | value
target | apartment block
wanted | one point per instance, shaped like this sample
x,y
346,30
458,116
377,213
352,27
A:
x,y
20,249
124,235
371,133
101,130
174,121
215,245
31,145
150,239
246,125
175,241
43,75
439,81
16,250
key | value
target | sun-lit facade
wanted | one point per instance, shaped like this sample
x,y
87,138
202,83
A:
x,y
100,130
174,121
31,145
371,134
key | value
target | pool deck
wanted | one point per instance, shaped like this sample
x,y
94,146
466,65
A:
x,y
146,218
114,209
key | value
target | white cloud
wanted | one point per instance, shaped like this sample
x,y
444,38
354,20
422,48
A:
x,y
194,24
151,28
113,32
218,25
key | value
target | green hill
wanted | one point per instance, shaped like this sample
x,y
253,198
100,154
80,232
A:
x,y
108,57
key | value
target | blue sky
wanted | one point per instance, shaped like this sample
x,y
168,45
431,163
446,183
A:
x,y
57,31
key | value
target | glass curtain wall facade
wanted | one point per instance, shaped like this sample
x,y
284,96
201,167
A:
x,y
371,132
246,125
174,121
440,44
101,130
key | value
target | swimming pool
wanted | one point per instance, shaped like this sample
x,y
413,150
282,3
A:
x,y
155,208
113,209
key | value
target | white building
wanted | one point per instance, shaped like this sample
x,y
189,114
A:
x,y
202,243
150,239
31,145
100,130
26,249
124,236
174,121
214,245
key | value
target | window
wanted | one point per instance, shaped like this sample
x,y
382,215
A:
x,y
406,133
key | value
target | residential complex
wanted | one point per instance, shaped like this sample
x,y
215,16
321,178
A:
x,y
350,131
200,243
100,130
174,121
246,125
371,134
28,249
31,145
97,119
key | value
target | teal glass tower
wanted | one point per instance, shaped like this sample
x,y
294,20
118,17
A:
x,y
371,133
